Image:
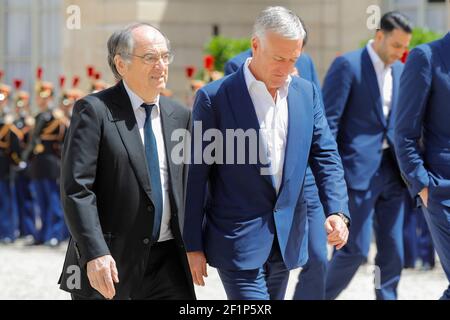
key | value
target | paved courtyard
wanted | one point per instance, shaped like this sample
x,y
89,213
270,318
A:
x,y
32,273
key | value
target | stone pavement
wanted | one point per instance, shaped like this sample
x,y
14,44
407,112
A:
x,y
32,273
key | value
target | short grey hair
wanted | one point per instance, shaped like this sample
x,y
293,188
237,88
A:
x,y
281,21
121,42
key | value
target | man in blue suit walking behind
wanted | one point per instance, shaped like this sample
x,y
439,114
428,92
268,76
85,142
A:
x,y
422,139
250,225
360,96
311,280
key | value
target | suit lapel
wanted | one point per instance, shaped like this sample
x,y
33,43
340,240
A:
x,y
396,73
370,78
299,130
169,123
122,115
244,112
445,52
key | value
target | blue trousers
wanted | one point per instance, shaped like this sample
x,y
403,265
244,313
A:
x,y
8,219
438,219
50,211
380,208
25,206
311,280
417,237
268,282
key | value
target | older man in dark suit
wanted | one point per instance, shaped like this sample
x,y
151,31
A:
x,y
122,192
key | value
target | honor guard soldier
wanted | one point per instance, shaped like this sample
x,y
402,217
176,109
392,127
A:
x,y
24,124
69,97
43,153
8,220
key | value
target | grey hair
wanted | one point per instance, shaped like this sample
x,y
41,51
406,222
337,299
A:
x,y
281,21
121,42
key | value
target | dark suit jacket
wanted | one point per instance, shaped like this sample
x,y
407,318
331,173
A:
x,y
106,191
423,118
354,110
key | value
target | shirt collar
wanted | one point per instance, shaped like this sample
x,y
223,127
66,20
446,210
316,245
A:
x,y
376,60
137,101
251,81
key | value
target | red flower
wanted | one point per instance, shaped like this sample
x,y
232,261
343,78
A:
x,y
190,70
97,76
208,62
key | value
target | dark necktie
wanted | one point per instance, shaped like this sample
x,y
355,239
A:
x,y
151,153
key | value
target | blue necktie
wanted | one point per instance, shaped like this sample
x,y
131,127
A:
x,y
151,153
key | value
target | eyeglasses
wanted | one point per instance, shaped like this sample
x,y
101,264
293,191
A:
x,y
152,59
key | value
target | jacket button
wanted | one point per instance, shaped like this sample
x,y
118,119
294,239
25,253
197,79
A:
x,y
146,241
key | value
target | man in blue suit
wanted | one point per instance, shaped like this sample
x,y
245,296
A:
x,y
422,139
360,94
311,280
250,225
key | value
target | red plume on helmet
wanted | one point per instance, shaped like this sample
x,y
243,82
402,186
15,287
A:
x,y
90,71
39,72
190,70
75,81
62,81
208,62
17,84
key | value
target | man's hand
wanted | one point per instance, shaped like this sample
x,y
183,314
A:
x,y
197,264
102,272
424,196
337,231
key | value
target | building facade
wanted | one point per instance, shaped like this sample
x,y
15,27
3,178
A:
x,y
64,36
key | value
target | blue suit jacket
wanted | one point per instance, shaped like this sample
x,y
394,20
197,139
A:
x,y
354,110
422,135
304,65
235,221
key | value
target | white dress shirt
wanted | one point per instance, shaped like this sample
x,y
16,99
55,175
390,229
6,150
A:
x,y
385,82
273,120
139,112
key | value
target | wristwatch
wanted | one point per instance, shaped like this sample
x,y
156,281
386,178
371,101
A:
x,y
343,217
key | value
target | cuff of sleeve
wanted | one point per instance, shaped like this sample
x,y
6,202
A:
x,y
419,185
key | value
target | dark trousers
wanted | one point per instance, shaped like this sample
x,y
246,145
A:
x,y
25,205
50,210
311,280
8,218
380,208
269,282
164,278
438,219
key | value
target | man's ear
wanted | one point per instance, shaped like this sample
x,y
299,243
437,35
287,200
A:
x,y
255,45
121,65
379,35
